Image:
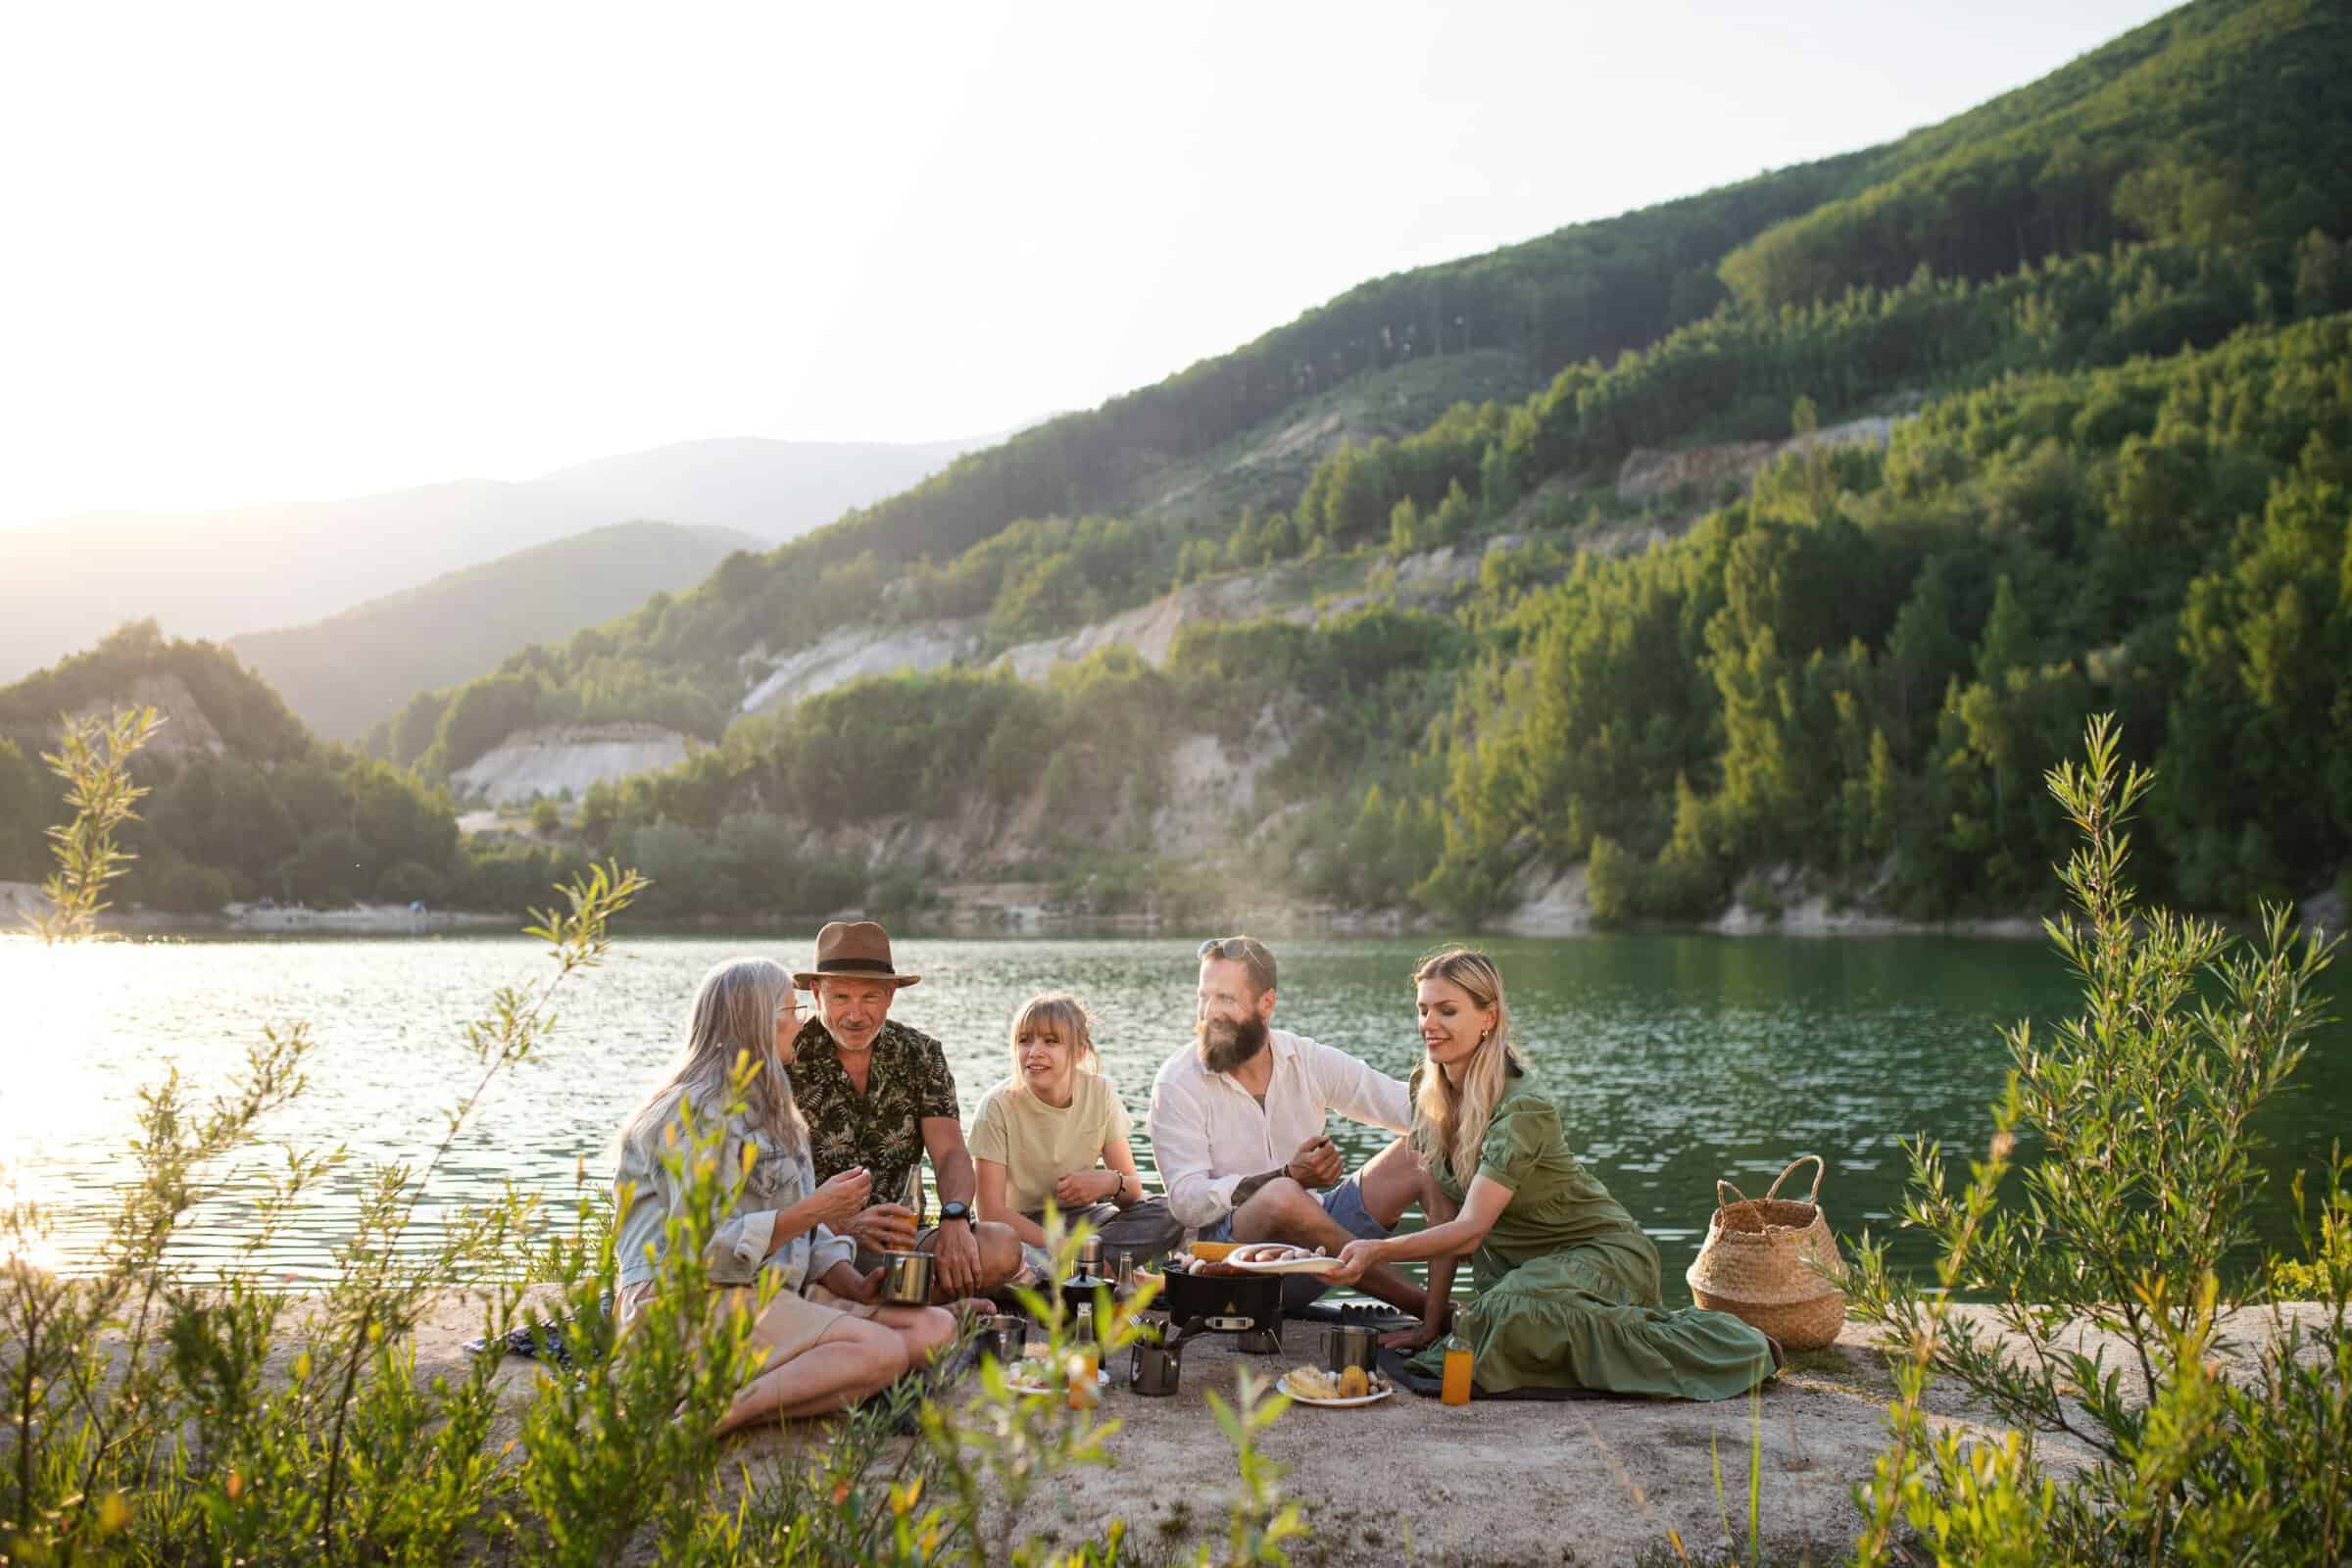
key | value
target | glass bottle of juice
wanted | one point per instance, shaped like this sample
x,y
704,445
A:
x,y
1084,1363
1455,1388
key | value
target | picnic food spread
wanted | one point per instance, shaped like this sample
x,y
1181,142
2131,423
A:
x,y
1319,1385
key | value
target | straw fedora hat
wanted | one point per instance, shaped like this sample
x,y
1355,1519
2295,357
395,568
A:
x,y
848,949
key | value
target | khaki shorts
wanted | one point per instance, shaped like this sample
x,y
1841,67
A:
x,y
791,1324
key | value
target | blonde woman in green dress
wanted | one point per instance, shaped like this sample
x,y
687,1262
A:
x,y
1567,1285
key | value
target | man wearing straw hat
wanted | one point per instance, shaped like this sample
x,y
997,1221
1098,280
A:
x,y
878,1094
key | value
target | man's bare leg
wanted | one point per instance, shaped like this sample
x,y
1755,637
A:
x,y
1282,1210
1391,1182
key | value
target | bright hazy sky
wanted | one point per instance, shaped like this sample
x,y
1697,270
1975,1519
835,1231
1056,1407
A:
x,y
265,253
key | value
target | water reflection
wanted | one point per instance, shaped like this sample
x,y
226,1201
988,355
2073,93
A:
x,y
1676,1060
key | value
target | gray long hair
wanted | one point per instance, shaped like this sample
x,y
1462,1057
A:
x,y
735,1011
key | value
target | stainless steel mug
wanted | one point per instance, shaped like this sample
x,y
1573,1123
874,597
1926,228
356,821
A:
x,y
1152,1369
907,1279
1005,1337
1350,1345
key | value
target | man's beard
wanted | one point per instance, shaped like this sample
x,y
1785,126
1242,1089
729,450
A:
x,y
1226,1046
863,1041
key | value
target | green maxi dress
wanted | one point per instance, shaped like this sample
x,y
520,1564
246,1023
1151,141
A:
x,y
1568,1286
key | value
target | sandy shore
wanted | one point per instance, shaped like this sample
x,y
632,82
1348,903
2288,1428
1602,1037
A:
x,y
20,900
358,918
1494,1483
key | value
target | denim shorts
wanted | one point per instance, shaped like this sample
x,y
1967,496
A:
x,y
1345,1203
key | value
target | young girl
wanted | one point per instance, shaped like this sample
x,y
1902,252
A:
x,y
825,1343
1056,1132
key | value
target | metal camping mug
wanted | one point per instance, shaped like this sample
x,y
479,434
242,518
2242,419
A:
x,y
1153,1368
907,1279
1350,1345
1005,1337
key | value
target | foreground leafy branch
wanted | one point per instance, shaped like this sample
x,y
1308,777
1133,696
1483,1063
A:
x,y
93,757
2116,1277
149,1416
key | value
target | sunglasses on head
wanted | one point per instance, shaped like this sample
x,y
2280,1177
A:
x,y
1250,951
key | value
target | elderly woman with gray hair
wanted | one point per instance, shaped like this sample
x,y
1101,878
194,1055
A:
x,y
824,1341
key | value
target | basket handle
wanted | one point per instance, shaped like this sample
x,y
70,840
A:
x,y
1721,1201
1820,1170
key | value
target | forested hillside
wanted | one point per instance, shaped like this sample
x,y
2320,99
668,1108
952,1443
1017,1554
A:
x,y
351,670
2104,325
2218,124
244,802
1864,667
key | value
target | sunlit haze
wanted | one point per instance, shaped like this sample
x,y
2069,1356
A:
x,y
272,252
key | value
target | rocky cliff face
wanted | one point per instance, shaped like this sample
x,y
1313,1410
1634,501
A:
x,y
854,653
186,732
560,761
1646,473
1150,630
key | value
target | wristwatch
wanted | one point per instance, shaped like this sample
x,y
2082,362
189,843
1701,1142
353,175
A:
x,y
949,1211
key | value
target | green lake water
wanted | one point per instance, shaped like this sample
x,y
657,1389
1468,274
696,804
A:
x,y
1676,1058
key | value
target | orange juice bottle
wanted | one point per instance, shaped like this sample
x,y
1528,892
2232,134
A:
x,y
1455,1388
1084,1363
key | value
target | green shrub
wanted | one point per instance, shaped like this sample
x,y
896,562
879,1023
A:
x,y
330,868
408,882
2318,1277
93,757
512,877
2139,1115
154,1417
162,880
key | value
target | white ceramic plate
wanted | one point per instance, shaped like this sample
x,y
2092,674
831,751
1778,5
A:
x,y
1374,1397
1102,1380
1290,1265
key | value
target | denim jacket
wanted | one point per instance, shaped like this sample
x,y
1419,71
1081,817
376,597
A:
x,y
738,1249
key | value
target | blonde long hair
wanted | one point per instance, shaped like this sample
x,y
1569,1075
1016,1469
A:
x,y
1070,1019
735,1013
1450,1123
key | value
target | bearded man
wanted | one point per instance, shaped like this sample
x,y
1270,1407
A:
x,y
1237,1129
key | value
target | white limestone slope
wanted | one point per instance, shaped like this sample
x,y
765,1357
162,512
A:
x,y
854,651
560,761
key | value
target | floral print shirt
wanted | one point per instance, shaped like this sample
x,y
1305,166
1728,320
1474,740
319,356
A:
x,y
881,1128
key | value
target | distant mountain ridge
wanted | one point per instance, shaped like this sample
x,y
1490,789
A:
x,y
2116,299
343,673
2143,141
215,574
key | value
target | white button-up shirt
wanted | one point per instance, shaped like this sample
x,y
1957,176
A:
x,y
1208,1134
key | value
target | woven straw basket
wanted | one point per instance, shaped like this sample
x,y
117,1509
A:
x,y
1765,1260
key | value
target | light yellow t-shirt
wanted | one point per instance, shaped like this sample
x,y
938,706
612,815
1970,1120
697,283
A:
x,y
1036,1144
